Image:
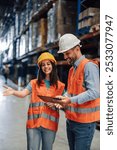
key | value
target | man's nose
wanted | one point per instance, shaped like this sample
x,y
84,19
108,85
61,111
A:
x,y
65,56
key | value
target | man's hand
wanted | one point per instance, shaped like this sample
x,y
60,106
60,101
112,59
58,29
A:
x,y
64,100
58,106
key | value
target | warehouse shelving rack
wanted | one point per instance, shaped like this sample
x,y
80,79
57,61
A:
x,y
52,47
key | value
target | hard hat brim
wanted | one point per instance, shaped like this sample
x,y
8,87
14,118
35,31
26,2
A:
x,y
46,56
62,51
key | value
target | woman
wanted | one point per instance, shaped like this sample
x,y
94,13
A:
x,y
42,122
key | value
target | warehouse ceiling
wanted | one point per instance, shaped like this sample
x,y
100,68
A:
x,y
7,11
5,7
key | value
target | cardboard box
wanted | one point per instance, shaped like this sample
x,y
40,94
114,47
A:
x,y
42,32
66,16
89,12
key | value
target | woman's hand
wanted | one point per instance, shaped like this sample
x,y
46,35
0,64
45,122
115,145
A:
x,y
49,104
59,106
8,91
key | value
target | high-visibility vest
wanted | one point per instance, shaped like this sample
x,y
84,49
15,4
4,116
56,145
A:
x,y
88,111
39,114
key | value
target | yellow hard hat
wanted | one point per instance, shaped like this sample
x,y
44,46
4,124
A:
x,y
46,56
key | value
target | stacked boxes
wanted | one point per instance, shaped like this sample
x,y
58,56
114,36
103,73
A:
x,y
60,19
87,18
96,19
30,37
89,12
22,45
27,41
22,20
43,31
66,16
33,35
17,24
17,47
38,34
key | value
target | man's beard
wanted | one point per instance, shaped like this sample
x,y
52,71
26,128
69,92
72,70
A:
x,y
70,61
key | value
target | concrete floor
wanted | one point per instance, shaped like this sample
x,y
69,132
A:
x,y
13,115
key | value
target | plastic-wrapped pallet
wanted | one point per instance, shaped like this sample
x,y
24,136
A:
x,y
22,20
34,40
30,37
27,41
22,45
52,30
34,34
17,24
17,47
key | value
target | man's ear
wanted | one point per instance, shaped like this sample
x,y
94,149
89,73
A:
x,y
77,48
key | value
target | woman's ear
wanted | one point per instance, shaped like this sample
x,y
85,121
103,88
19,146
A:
x,y
38,65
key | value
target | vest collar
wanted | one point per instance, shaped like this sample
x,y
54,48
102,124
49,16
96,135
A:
x,y
77,62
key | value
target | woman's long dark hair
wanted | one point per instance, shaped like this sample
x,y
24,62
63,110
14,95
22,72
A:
x,y
53,75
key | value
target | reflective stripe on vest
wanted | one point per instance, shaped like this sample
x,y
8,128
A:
x,y
39,114
83,110
38,104
36,116
86,112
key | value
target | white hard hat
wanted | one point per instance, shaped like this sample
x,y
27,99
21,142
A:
x,y
67,41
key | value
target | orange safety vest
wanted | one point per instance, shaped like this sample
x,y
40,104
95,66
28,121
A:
x,y
39,114
88,111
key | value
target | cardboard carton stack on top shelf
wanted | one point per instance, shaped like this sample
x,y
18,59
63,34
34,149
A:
x,y
95,22
61,19
66,16
33,35
37,34
87,18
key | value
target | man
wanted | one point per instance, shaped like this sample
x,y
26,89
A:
x,y
5,72
82,98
